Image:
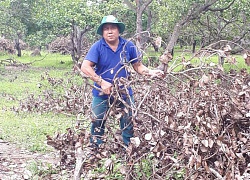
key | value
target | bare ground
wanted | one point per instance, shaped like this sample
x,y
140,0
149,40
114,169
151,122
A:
x,y
18,164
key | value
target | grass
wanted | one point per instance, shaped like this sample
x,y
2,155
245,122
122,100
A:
x,y
47,60
39,171
179,54
30,129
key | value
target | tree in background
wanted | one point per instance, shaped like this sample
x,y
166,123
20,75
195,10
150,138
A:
x,y
139,7
40,22
14,18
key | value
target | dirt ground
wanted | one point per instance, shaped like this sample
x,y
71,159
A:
x,y
18,164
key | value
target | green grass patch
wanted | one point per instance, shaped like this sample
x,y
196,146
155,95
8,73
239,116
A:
x,y
30,129
52,60
40,171
151,58
17,83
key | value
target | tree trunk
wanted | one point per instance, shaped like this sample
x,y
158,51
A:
x,y
192,14
139,9
173,38
77,39
17,45
19,51
139,29
194,45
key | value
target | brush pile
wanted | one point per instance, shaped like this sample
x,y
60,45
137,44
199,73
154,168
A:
x,y
193,124
7,46
63,45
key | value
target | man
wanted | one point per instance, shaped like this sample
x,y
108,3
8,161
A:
x,y
103,63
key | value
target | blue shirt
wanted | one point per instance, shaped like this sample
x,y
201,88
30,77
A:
x,y
108,63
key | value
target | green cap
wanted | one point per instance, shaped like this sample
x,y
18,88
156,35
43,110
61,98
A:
x,y
110,19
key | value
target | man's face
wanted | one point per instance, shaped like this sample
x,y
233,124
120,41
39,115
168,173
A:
x,y
110,33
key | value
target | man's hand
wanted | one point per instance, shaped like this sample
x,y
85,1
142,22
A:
x,y
106,86
143,70
155,73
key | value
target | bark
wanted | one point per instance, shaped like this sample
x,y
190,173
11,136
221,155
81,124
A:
x,y
139,9
173,38
77,38
17,45
141,6
79,161
149,22
194,45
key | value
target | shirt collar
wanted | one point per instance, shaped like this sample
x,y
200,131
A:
x,y
120,45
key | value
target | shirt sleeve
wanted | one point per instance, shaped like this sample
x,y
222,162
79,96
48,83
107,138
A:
x,y
93,53
135,54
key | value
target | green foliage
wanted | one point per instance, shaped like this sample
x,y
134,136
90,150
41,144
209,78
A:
x,y
113,171
9,23
41,21
121,11
39,170
145,168
179,175
167,14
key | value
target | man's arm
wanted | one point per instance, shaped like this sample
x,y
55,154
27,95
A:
x,y
143,70
87,68
140,68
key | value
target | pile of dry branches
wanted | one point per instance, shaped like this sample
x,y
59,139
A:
x,y
193,123
7,46
197,121
63,45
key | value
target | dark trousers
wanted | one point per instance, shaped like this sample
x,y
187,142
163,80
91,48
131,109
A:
x,y
99,108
